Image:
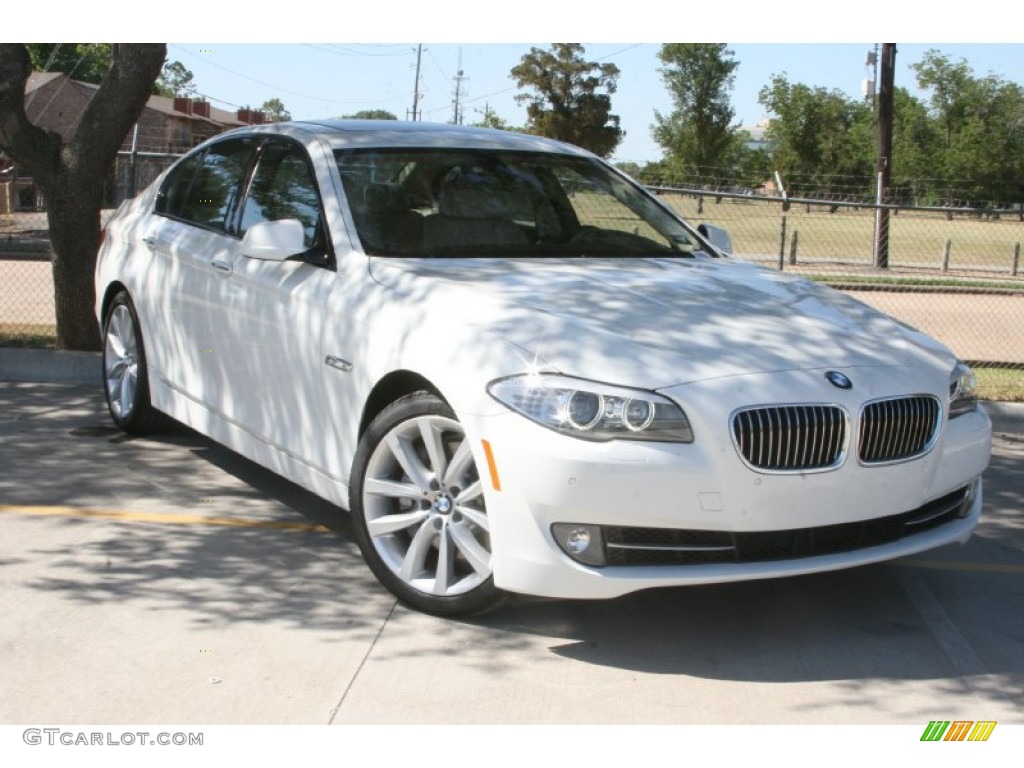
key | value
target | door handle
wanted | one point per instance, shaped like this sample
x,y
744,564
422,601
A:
x,y
221,266
150,242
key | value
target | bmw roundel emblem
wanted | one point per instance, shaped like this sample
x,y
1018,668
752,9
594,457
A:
x,y
840,380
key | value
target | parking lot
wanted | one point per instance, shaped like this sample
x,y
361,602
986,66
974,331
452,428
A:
x,y
168,580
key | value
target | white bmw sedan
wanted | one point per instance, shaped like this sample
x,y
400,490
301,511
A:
x,y
521,372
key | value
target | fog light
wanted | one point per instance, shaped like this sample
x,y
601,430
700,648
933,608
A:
x,y
583,543
577,541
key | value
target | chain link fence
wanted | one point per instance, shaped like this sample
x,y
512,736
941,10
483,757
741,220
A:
x,y
26,283
955,272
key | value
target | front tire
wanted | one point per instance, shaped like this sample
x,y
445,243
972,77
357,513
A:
x,y
125,378
418,509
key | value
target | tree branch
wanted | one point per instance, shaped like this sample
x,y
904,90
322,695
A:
x,y
111,113
31,146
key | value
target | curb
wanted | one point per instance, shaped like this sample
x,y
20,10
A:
x,y
55,366
965,290
1006,417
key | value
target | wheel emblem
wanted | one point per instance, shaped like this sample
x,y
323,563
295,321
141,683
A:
x,y
839,380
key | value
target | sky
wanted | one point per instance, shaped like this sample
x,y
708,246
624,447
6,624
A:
x,y
316,80
293,52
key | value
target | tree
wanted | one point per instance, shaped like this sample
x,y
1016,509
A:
x,y
819,135
698,132
174,80
915,142
980,128
371,114
87,62
490,119
71,175
565,101
275,110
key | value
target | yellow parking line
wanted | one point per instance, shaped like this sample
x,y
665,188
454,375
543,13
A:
x,y
163,518
282,525
949,565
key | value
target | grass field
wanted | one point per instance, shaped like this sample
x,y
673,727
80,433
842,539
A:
x,y
28,335
832,247
1001,384
916,239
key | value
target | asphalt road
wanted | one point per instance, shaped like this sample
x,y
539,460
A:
x,y
167,580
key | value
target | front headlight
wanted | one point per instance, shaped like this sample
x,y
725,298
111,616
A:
x,y
593,411
963,391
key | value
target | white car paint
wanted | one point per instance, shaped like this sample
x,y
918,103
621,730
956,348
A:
x,y
240,353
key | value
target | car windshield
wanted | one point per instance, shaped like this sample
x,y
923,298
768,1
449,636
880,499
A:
x,y
494,203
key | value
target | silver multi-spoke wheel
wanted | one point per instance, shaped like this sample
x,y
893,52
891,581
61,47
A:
x,y
419,508
124,369
121,361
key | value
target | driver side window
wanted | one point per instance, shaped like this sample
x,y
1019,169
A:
x,y
283,187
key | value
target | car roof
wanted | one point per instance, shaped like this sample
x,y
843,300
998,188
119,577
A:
x,y
348,134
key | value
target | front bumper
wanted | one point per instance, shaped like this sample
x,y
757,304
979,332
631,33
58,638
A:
x,y
547,479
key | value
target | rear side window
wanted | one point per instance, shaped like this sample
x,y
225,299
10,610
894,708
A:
x,y
173,193
204,191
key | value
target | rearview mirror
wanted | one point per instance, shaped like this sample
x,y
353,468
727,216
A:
x,y
274,240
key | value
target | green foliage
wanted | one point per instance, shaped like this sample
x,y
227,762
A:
x,y
569,98
174,80
490,119
698,132
274,108
87,62
818,135
631,169
979,129
371,114
913,146
964,145
751,166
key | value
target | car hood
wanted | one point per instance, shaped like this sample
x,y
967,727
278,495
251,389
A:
x,y
659,322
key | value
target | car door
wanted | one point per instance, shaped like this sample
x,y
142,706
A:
x,y
193,242
272,312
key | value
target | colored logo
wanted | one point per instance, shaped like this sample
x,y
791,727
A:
x,y
840,380
958,730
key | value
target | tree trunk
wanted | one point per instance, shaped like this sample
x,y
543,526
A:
x,y
74,217
71,172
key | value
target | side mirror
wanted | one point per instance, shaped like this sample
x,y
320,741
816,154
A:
x,y
274,240
718,237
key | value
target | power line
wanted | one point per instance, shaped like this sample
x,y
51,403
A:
x,y
344,51
282,89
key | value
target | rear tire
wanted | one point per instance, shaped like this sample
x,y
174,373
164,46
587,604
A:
x,y
418,509
125,378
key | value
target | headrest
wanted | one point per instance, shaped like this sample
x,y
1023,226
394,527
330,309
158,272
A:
x,y
478,194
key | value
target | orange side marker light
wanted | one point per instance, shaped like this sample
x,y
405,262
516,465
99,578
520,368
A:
x,y
491,466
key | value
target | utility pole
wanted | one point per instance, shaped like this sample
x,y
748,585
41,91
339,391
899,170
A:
x,y
884,165
416,86
457,97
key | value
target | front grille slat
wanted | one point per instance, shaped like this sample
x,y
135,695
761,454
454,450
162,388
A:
x,y
898,429
790,438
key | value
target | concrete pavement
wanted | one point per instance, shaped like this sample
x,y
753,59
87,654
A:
x,y
168,580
